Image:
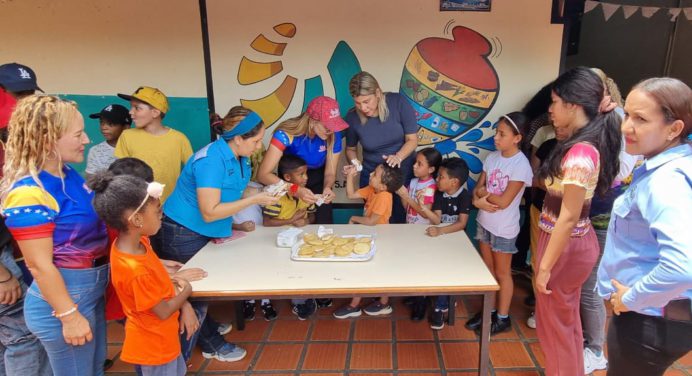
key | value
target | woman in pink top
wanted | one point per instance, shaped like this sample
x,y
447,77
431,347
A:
x,y
585,163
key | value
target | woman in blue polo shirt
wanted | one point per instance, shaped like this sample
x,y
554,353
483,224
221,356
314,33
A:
x,y
315,136
208,192
646,269
385,127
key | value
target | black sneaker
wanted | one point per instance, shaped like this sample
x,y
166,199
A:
x,y
323,303
418,311
268,312
249,311
437,320
498,325
474,323
107,364
305,310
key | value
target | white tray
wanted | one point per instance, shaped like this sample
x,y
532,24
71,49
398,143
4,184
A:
x,y
353,257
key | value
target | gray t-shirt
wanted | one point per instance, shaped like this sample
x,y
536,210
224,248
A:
x,y
378,138
100,158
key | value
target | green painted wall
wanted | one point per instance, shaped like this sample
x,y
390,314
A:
x,y
188,115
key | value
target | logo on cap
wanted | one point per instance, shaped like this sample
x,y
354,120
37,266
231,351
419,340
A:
x,y
334,113
109,108
24,74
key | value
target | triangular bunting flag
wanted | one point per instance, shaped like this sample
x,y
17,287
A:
x,y
629,10
589,5
688,13
674,13
609,9
648,12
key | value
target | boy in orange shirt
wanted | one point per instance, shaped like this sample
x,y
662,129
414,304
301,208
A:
x,y
384,181
132,206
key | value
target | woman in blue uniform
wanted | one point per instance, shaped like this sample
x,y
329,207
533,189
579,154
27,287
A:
x,y
315,136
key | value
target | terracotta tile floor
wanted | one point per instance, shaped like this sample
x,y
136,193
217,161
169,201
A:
x,y
365,346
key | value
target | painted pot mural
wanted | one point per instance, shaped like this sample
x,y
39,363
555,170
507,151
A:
x,y
451,84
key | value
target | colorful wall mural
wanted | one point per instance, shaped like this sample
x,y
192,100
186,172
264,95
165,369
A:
x,y
342,65
460,70
450,82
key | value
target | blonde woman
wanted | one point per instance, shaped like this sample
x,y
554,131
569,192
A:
x,y
384,124
48,211
315,136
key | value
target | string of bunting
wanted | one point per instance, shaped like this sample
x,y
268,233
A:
x,y
628,10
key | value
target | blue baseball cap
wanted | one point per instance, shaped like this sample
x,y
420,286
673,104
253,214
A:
x,y
16,77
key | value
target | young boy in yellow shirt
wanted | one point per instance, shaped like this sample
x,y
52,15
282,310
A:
x,y
164,149
290,210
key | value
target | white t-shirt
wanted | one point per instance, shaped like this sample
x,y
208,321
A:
x,y
499,171
251,213
100,158
416,185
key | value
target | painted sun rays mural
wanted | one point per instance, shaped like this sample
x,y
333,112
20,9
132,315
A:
x,y
342,65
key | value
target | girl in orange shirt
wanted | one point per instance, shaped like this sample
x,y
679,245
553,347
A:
x,y
146,291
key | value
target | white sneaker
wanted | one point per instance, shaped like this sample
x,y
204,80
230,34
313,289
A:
x,y
531,321
593,362
224,329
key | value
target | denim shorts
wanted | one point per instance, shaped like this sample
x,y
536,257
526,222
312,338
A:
x,y
498,244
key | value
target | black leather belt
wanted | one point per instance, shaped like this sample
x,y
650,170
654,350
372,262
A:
x,y
103,260
678,310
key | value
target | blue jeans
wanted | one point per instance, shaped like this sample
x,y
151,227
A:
x,y
21,353
86,288
176,242
442,302
497,243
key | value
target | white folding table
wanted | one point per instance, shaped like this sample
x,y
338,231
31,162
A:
x,y
407,263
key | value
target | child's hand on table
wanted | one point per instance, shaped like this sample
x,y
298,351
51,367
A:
x,y
433,231
191,275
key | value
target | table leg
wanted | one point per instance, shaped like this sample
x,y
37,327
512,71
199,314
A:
x,y
451,316
239,316
485,336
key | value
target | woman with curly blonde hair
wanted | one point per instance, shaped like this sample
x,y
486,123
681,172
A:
x,y
48,211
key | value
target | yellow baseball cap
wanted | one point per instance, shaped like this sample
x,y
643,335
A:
x,y
149,95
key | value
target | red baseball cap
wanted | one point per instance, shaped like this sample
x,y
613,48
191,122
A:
x,y
326,111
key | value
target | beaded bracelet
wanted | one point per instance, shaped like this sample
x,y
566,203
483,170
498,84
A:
x,y
68,312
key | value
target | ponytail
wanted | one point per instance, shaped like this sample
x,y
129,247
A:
x,y
583,87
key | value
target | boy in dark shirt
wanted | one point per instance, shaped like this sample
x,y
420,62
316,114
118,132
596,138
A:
x,y
451,207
